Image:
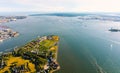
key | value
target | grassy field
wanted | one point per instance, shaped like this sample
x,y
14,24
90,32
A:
x,y
18,61
47,43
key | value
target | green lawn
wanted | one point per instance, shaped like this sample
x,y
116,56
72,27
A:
x,y
47,43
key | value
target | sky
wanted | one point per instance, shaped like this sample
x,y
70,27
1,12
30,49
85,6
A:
x,y
60,5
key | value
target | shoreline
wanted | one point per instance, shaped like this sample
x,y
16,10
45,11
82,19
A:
x,y
7,32
57,60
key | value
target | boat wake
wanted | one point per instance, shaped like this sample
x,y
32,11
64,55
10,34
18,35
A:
x,y
97,66
94,62
116,42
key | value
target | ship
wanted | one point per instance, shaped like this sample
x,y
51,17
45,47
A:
x,y
114,30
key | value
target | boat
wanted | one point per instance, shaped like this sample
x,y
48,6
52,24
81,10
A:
x,y
1,40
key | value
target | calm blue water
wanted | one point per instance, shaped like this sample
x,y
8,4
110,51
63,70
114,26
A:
x,y
85,46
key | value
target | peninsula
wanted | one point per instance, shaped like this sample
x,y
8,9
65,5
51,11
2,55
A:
x,y
6,32
4,19
37,56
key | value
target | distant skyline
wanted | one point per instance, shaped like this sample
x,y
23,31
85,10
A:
x,y
60,5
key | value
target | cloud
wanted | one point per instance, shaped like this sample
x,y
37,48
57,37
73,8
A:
x,y
60,5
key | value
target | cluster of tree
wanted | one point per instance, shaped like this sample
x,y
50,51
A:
x,y
19,69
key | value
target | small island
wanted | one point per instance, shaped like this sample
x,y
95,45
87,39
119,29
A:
x,y
37,56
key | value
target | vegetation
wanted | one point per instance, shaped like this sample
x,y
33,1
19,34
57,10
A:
x,y
38,55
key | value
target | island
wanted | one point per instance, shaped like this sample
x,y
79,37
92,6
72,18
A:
x,y
37,56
